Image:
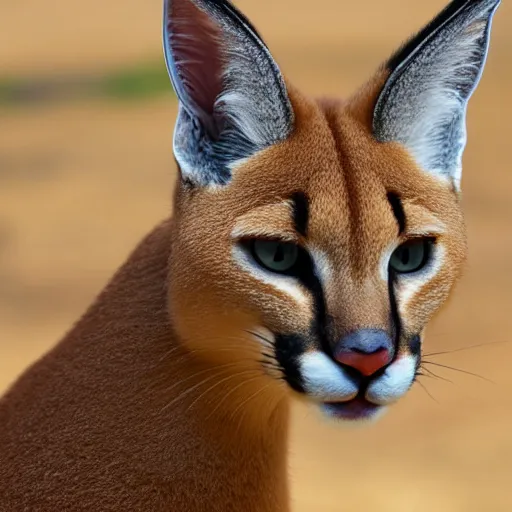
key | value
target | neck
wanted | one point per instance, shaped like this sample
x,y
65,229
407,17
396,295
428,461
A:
x,y
123,414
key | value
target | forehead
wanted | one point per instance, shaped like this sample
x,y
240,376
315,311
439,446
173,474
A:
x,y
333,153
353,185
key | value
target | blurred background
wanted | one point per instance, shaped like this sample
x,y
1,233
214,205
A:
x,y
86,169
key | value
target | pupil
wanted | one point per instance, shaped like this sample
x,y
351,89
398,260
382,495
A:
x,y
405,256
279,254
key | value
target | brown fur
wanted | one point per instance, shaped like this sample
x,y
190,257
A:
x,y
155,400
89,427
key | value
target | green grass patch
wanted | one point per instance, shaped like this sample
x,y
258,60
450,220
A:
x,y
143,81
8,88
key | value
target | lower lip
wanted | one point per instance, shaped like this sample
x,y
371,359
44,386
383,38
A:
x,y
355,409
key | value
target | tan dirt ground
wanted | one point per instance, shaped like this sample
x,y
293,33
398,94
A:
x,y
80,184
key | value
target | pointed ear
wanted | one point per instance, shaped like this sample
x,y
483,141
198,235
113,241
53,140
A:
x,y
424,100
233,99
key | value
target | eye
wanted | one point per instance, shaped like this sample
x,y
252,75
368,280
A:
x,y
411,256
276,256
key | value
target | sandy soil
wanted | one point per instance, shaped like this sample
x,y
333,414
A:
x,y
80,184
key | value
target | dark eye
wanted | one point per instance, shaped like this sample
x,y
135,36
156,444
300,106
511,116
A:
x,y
275,256
411,256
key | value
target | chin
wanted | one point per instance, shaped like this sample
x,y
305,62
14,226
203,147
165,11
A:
x,y
356,411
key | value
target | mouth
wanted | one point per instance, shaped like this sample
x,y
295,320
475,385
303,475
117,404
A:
x,y
344,395
340,392
356,409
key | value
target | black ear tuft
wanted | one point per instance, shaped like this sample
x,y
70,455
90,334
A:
x,y
233,100
423,103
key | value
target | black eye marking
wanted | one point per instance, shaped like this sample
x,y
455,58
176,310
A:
x,y
398,211
288,349
396,322
415,345
300,212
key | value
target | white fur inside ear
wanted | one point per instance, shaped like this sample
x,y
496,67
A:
x,y
424,101
244,113
429,145
233,98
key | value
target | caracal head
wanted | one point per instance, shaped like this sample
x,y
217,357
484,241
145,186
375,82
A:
x,y
314,240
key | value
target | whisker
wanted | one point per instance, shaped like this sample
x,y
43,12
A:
x,y
434,375
245,402
189,390
272,371
202,372
459,370
254,357
186,351
254,352
233,414
427,391
231,391
471,347
190,353
259,336
172,351
271,363
229,377
240,338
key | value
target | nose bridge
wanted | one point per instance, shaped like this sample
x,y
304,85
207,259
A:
x,y
352,226
355,304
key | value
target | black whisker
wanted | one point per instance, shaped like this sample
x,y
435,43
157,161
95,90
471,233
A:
x,y
419,374
479,345
434,375
427,391
459,370
259,336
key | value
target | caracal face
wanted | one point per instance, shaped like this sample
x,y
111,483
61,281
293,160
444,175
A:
x,y
314,240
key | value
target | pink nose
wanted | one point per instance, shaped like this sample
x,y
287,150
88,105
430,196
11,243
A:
x,y
365,350
366,364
